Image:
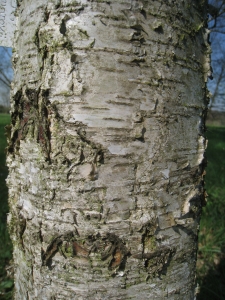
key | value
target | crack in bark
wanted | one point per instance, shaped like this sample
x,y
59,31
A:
x,y
30,118
156,262
110,247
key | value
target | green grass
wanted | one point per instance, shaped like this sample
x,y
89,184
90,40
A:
x,y
6,283
211,256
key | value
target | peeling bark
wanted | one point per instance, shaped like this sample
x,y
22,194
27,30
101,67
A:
x,y
106,148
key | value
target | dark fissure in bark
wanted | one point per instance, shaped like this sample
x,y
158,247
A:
x,y
63,28
44,133
110,247
30,116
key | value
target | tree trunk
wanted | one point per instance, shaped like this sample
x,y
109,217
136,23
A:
x,y
106,150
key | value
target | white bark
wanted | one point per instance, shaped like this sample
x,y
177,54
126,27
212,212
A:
x,y
106,152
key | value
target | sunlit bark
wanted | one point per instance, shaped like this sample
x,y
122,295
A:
x,y
106,152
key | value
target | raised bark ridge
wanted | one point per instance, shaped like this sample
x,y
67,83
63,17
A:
x,y
106,150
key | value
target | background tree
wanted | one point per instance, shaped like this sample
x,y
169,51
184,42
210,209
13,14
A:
x,y
217,30
5,75
106,149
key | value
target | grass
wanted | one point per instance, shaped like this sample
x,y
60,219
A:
x,y
6,283
211,255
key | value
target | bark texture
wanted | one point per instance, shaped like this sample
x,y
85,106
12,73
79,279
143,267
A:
x,y
106,149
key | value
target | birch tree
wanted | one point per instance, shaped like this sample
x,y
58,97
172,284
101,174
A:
x,y
106,148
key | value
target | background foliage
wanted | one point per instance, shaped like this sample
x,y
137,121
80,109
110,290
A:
x,y
6,282
211,255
